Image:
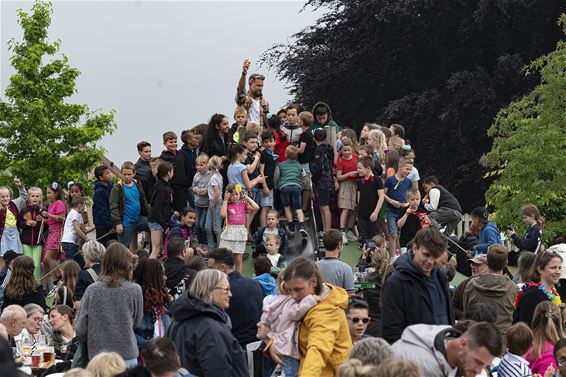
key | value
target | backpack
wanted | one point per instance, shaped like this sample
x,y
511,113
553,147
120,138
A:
x,y
318,164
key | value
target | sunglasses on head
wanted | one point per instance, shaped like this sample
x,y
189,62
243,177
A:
x,y
356,320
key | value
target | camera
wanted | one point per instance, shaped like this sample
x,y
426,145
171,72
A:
x,y
370,246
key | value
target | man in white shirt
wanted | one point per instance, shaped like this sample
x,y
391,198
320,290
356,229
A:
x,y
252,100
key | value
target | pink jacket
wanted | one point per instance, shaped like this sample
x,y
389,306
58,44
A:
x,y
541,364
282,315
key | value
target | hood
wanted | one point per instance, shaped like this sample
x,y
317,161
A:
x,y
421,335
186,307
490,225
333,296
320,103
98,185
405,264
492,285
268,282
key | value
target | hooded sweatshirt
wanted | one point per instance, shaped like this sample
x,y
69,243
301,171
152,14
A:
x,y
489,235
101,205
495,290
330,122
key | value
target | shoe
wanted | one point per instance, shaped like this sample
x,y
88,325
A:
x,y
351,236
290,227
55,288
246,256
344,238
303,230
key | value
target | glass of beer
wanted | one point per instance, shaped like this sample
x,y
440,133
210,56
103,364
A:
x,y
35,360
48,357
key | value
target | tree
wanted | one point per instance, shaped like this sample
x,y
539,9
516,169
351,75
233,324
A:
x,y
440,68
529,148
44,138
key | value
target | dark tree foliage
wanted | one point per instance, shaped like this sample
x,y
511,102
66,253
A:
x,y
440,68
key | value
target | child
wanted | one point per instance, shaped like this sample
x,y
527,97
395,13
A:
x,y
365,132
262,271
9,234
391,163
128,207
101,205
66,291
306,152
31,225
397,130
253,128
282,115
370,199
322,177
181,227
412,220
237,171
190,150
76,190
414,176
252,160
288,175
200,192
534,221
519,339
267,167
272,228
143,167
281,314
278,261
376,139
366,150
351,134
396,143
179,181
234,235
213,225
291,126
238,129
396,188
347,176
160,203
73,229
281,141
55,213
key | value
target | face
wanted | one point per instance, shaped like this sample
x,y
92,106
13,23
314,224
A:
x,y
154,166
292,116
529,220
240,119
356,323
427,187
51,195
478,268
170,174
128,176
57,320
17,325
322,119
241,157
75,192
405,170
561,360
299,288
189,219
171,145
106,176
272,220
145,153
362,153
251,144
224,126
269,144
235,196
282,117
364,133
476,223
221,294
424,260
347,152
473,361
196,140
34,322
4,197
363,171
414,201
35,198
550,274
272,247
202,166
257,87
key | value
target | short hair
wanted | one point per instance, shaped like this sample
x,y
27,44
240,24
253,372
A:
x,y
222,255
432,240
319,134
164,168
295,106
94,251
196,262
253,127
159,356
371,351
262,265
292,152
481,312
431,179
175,247
306,117
357,303
366,162
397,366
203,157
368,149
169,135
355,368
249,135
13,311
405,161
107,364
256,76
99,171
267,135
496,257
484,334
77,201
519,338
273,237
64,310
128,165
185,135
33,308
204,284
331,239
240,110
398,129
413,192
143,144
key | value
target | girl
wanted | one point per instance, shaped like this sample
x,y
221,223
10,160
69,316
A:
x,y
391,163
31,225
76,190
376,139
234,209
347,176
281,313
281,142
182,228
9,234
365,132
351,134
547,329
217,142
55,214
66,292
237,172
533,219
160,203
213,225
22,289
199,189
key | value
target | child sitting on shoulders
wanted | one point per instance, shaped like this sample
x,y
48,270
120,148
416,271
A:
x,y
519,339
260,237
278,261
262,271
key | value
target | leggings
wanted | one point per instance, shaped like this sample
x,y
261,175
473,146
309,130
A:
x,y
34,252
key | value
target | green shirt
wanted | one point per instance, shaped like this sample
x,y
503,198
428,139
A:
x,y
290,173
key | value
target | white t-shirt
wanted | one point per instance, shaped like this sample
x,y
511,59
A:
x,y
69,234
254,115
274,259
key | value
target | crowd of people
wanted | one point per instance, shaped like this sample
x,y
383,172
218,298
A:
x,y
160,291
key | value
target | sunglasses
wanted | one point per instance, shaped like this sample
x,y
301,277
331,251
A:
x,y
356,320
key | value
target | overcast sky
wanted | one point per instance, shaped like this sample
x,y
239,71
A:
x,y
162,65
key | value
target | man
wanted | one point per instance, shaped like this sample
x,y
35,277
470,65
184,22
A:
x,y
443,207
357,313
178,275
417,292
332,269
252,101
478,265
14,318
442,351
493,288
247,297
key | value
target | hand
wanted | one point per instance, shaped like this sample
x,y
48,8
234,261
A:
x,y
176,214
189,252
550,371
246,65
275,356
410,210
336,185
264,104
259,179
265,191
353,174
39,218
404,205
45,214
424,201
373,217
396,204
262,332
119,229
510,232
31,223
257,154
17,182
227,196
365,252
224,158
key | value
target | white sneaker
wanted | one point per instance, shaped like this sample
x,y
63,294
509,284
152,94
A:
x,y
344,238
351,236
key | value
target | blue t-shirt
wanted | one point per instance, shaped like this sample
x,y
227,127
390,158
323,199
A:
x,y
132,208
235,173
397,190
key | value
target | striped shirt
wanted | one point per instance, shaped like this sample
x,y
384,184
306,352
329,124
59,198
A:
x,y
513,366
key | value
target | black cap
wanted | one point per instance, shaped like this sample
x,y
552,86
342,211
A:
x,y
481,213
9,256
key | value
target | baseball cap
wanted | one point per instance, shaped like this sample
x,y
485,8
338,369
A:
x,y
478,259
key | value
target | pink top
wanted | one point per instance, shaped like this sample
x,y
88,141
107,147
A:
x,y
541,364
56,208
237,213
282,315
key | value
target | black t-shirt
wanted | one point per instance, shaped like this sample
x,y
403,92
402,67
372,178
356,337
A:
x,y
306,137
249,160
411,227
368,195
269,168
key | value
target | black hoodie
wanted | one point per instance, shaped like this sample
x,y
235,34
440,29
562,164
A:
x,y
204,341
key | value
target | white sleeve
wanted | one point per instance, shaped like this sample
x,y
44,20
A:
x,y
433,198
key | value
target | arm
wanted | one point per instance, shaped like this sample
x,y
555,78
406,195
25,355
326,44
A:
x,y
276,176
403,219
284,247
433,198
254,165
380,198
530,242
297,310
393,312
257,237
342,177
224,208
215,196
349,281
491,237
78,229
302,147
251,203
264,183
115,206
22,199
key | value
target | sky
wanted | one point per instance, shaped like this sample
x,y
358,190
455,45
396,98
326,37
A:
x,y
162,65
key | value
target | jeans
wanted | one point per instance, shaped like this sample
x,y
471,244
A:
x,y
71,253
132,232
213,225
291,367
200,224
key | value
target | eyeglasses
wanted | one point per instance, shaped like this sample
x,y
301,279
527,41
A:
x,y
356,320
561,362
226,290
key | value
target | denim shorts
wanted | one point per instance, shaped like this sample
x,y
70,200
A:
x,y
393,214
291,196
266,201
70,250
323,197
154,226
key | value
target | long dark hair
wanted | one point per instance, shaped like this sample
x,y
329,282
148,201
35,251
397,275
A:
x,y
22,281
149,275
213,126
275,124
304,269
234,150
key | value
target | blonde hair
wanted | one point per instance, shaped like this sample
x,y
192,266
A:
x,y
240,110
78,372
395,142
253,127
532,210
215,163
379,137
202,158
273,237
393,367
106,364
36,189
355,368
204,284
546,325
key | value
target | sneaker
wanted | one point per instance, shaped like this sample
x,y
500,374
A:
x,y
344,238
351,236
246,256
55,288
302,230
290,227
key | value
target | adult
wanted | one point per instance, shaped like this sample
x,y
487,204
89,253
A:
x,y
217,142
547,330
252,100
357,313
540,287
8,365
417,292
493,288
22,289
107,364
441,350
178,274
489,233
324,339
13,318
442,205
478,265
371,351
61,318
160,359
93,252
34,322
201,329
380,265
247,297
112,329
331,268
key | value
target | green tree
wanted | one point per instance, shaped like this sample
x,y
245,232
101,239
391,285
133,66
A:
x,y
43,138
528,154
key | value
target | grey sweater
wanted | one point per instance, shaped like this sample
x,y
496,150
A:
x,y
108,316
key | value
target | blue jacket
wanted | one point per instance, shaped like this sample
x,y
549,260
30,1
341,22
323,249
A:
x,y
101,205
489,235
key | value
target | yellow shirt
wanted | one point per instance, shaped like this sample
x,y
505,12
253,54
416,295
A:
x,y
10,220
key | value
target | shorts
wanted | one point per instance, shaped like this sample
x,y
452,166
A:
x,y
154,227
266,201
347,195
323,197
70,250
393,214
291,197
306,179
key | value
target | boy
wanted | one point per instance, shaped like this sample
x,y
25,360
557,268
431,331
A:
x,y
101,205
396,188
278,261
238,129
267,166
370,199
178,183
306,151
199,190
260,237
262,271
322,176
291,126
73,229
128,207
519,339
288,175
190,151
412,220
252,166
143,167
357,313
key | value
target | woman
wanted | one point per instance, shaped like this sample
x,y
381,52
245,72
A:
x,y
324,337
34,325
380,264
61,318
22,289
149,275
55,215
93,252
534,221
112,329
66,292
547,329
540,287
217,142
202,326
